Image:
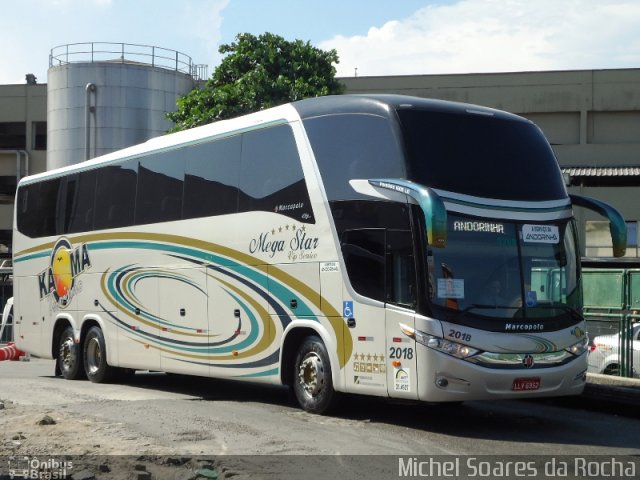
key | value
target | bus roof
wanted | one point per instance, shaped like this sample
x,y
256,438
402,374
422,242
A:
x,y
382,104
376,104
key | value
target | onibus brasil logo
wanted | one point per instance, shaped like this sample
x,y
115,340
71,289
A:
x,y
59,279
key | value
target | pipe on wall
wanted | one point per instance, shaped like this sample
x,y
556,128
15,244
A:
x,y
19,163
19,169
88,110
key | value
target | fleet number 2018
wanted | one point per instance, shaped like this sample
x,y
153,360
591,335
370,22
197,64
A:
x,y
397,352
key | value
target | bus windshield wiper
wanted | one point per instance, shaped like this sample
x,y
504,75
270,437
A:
x,y
565,308
480,306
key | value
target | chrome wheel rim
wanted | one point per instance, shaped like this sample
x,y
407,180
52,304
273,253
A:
x,y
311,374
94,355
68,353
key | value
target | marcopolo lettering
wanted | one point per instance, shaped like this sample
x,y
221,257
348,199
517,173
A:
x,y
292,206
524,327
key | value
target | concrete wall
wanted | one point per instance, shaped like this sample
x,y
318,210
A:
x,y
23,103
28,104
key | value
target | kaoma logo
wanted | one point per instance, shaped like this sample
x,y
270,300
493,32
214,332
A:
x,y
59,279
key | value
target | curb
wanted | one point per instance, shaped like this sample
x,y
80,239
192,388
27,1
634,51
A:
x,y
613,390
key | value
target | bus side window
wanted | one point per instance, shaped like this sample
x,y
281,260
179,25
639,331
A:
x,y
47,213
81,190
380,264
211,177
160,184
27,208
363,252
348,146
271,176
401,274
377,247
115,195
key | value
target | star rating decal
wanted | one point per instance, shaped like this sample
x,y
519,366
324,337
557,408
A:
x,y
287,227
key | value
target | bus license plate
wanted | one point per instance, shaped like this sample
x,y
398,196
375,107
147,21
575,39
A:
x,y
522,384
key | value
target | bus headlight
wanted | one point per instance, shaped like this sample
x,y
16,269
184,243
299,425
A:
x,y
454,349
450,348
579,348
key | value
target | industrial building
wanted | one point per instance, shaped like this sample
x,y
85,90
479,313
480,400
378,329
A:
x,y
97,102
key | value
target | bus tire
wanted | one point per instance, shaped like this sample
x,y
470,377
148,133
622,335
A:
x,y
312,383
69,360
95,357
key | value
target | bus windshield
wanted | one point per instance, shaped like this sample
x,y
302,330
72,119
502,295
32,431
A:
x,y
494,270
462,153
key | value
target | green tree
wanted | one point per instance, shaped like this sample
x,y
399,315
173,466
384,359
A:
x,y
258,73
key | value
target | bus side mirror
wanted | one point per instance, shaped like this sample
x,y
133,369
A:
x,y
435,213
435,216
617,226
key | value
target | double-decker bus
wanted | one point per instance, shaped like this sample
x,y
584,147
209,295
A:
x,y
382,245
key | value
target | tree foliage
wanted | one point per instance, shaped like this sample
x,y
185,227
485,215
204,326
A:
x,y
258,73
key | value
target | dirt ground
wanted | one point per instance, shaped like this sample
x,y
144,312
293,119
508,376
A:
x,y
54,442
22,433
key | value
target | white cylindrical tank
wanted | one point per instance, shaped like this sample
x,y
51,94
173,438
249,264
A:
x,y
103,97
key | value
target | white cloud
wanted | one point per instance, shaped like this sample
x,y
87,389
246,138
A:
x,y
497,36
206,24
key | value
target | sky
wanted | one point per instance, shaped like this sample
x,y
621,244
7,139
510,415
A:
x,y
372,37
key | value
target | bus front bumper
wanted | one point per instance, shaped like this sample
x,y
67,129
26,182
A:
x,y
449,379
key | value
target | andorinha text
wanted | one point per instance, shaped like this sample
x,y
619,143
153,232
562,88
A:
x,y
478,227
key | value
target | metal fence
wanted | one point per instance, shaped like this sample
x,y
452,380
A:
x,y
6,292
7,334
126,53
612,311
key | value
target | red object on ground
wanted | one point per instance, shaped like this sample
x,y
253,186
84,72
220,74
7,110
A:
x,y
10,352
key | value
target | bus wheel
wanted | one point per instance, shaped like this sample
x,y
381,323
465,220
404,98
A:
x,y
95,357
312,383
69,356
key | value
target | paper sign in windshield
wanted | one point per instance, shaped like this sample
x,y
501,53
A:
x,y
541,234
450,288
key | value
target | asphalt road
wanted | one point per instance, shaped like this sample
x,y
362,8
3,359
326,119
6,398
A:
x,y
158,414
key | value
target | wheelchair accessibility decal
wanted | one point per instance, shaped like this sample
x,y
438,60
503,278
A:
x,y
347,309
